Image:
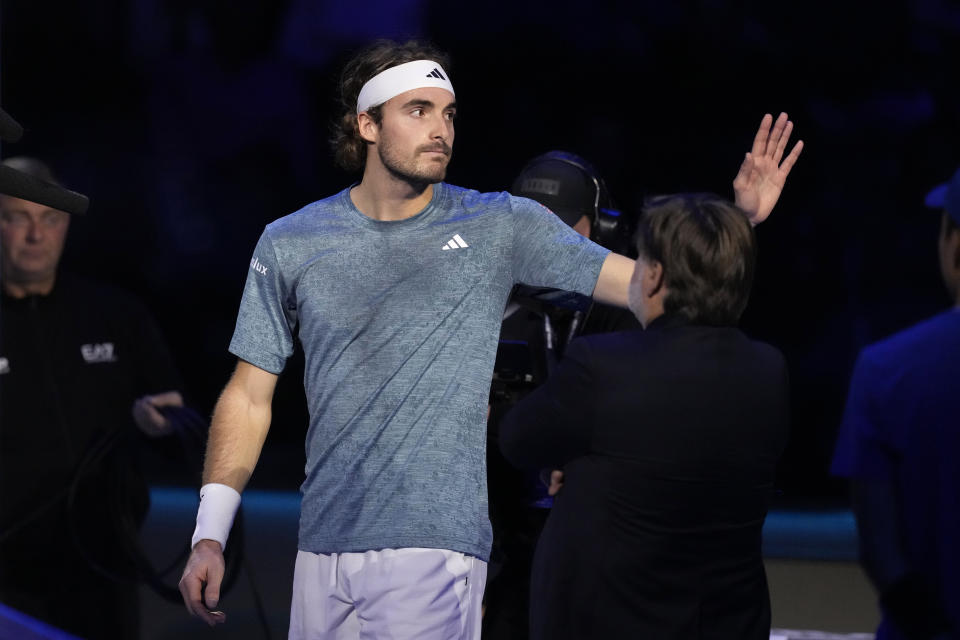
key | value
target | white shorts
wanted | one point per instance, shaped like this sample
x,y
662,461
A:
x,y
400,594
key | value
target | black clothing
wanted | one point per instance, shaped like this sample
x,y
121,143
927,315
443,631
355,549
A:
x,y
71,365
542,332
537,334
668,439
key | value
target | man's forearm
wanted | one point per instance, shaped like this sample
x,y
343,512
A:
x,y
237,433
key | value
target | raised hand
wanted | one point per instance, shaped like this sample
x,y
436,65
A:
x,y
760,180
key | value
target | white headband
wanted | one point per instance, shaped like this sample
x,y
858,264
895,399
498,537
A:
x,y
403,77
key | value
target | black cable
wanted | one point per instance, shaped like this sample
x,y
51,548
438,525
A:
x,y
190,429
33,515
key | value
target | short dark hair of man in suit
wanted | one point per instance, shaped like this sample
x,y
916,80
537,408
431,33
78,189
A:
x,y
668,438
699,252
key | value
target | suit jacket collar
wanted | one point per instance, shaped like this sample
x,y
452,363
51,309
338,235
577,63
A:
x,y
668,321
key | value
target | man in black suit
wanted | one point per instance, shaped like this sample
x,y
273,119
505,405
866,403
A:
x,y
668,438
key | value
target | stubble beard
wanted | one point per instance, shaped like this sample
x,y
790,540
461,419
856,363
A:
x,y
409,170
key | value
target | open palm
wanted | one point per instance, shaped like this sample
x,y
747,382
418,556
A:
x,y
760,180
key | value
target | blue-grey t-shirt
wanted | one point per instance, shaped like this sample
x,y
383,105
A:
x,y
399,323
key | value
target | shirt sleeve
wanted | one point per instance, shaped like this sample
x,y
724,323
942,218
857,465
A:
x,y
862,449
553,424
548,253
267,317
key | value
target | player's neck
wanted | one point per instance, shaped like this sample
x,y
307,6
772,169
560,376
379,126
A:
x,y
384,196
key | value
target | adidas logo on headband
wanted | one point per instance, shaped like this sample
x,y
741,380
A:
x,y
403,77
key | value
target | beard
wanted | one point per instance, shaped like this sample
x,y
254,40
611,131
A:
x,y
415,169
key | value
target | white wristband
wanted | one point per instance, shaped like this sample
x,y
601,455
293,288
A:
x,y
218,506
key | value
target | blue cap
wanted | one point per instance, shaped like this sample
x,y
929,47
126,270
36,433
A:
x,y
947,196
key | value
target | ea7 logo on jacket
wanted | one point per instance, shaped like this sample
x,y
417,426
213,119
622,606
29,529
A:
x,y
94,353
259,268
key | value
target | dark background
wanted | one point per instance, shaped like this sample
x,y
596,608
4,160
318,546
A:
x,y
191,124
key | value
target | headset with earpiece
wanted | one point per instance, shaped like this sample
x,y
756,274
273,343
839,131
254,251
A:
x,y
609,226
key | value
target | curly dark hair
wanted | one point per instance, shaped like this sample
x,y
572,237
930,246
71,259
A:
x,y
350,150
708,251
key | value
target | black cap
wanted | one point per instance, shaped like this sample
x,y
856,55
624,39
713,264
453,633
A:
x,y
562,185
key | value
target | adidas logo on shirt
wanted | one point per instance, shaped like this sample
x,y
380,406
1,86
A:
x,y
455,243
436,74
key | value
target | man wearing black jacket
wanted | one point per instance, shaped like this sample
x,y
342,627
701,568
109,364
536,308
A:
x,y
81,364
668,439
